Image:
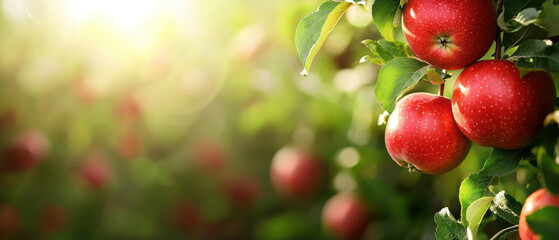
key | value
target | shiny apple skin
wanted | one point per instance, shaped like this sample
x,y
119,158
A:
x,y
469,27
421,134
495,107
539,199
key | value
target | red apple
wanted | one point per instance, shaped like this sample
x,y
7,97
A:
x,y
129,145
449,34
53,219
9,221
186,216
496,107
95,172
241,191
296,173
421,134
28,150
208,155
539,199
345,216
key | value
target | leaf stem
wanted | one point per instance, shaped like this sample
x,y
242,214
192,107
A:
x,y
502,232
498,43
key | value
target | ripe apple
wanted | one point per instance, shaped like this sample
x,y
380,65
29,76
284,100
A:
x,y
449,34
129,145
9,221
495,106
208,155
345,216
539,199
241,191
421,134
53,219
296,173
28,150
95,172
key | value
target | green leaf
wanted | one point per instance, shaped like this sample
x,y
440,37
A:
x,y
524,18
447,226
434,77
544,222
475,214
395,78
537,54
500,163
506,207
385,16
532,31
383,51
550,171
313,30
472,188
512,8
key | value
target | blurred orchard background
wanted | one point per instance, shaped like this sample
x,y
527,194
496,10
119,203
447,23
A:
x,y
160,119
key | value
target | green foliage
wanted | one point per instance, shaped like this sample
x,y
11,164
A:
x,y
544,222
537,54
506,207
395,78
447,226
382,51
532,31
476,186
313,30
475,214
550,171
513,8
386,17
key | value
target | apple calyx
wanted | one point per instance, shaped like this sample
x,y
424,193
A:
x,y
444,42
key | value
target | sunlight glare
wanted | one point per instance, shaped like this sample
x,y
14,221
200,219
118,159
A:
x,y
126,14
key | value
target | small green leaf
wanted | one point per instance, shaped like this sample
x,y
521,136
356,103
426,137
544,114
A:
x,y
472,188
499,163
544,222
506,207
384,15
524,18
550,171
537,54
475,214
447,227
502,162
395,78
384,51
512,8
434,77
313,30
532,31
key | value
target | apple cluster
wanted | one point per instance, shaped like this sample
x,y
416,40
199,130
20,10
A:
x,y
493,103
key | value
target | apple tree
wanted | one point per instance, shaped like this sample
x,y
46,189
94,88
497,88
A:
x,y
501,63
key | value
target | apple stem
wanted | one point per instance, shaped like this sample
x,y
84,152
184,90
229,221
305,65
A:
x,y
502,232
498,43
441,87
